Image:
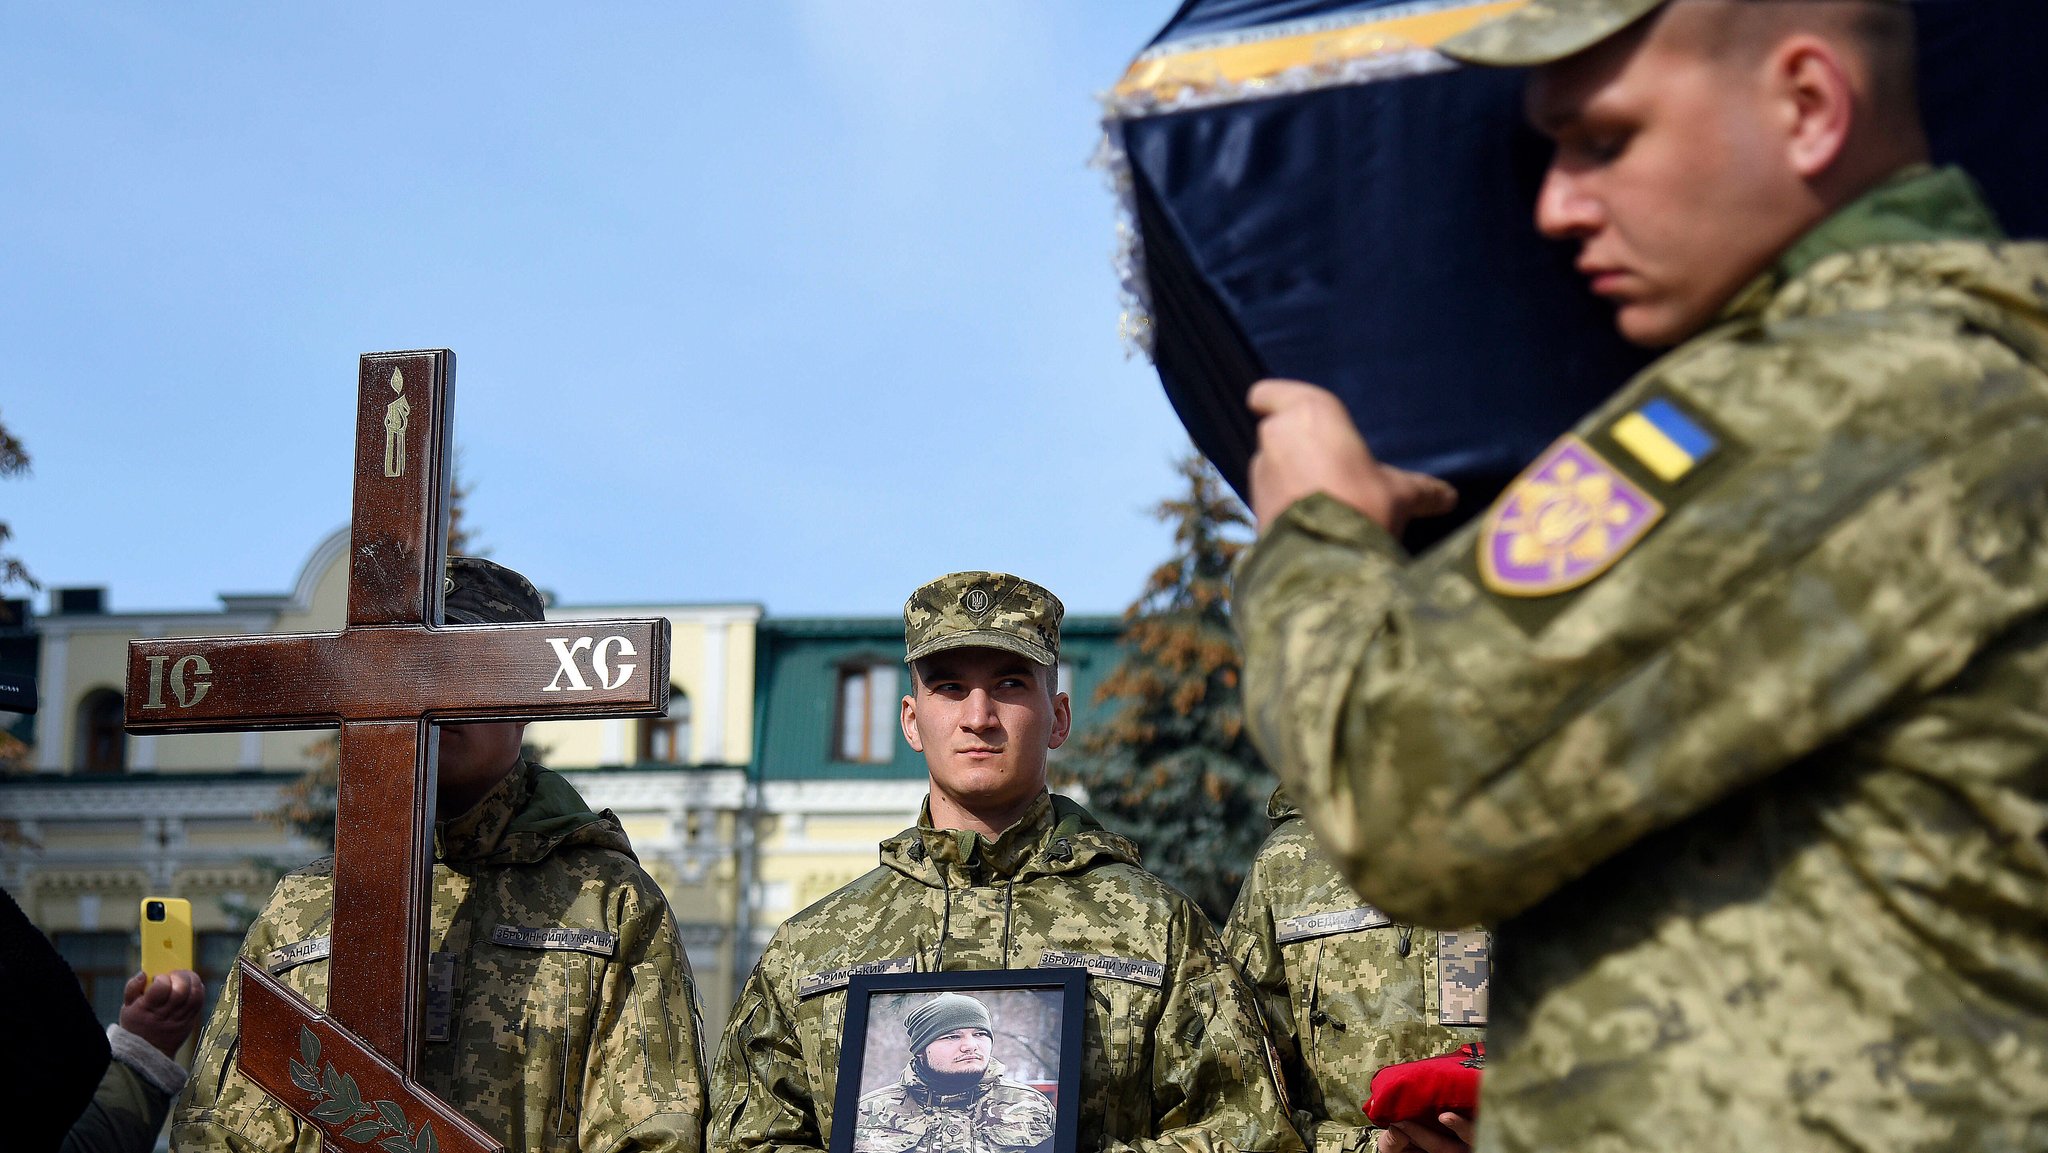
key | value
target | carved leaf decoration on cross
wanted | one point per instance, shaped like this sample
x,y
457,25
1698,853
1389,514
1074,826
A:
x,y
339,1103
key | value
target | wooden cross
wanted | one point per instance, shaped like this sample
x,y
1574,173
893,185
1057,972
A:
x,y
388,679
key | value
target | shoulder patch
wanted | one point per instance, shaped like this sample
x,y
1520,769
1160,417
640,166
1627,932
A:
x,y
825,981
1664,439
1313,925
594,941
1098,965
298,953
1562,523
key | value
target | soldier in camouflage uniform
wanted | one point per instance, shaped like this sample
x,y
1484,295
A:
x,y
999,874
953,1097
1346,990
1729,716
560,1010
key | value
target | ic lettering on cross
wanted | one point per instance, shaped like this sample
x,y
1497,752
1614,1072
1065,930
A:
x,y
387,679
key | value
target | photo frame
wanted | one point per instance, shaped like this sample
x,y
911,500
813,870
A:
x,y
913,1075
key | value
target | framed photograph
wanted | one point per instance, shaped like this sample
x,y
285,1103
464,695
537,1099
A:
x,y
967,1062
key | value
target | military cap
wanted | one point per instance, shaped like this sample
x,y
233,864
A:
x,y
943,1014
988,610
1544,31
481,592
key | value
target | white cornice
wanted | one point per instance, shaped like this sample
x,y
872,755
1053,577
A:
x,y
161,796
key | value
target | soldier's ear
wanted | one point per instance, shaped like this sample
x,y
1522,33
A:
x,y
1062,720
908,716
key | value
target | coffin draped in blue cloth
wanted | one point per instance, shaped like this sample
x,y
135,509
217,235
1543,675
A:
x,y
1312,192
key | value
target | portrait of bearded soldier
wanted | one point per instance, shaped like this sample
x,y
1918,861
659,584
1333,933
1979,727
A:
x,y
953,1097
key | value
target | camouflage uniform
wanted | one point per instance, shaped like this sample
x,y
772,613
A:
x,y
1173,1055
1346,991
997,1115
1757,804
561,1014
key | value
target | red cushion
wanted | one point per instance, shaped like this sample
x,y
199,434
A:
x,y
1419,1090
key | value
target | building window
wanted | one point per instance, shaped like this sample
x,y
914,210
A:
x,y
868,706
102,746
666,739
101,962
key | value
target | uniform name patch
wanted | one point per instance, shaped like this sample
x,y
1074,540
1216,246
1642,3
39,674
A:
x,y
1562,523
596,942
298,953
1313,925
1116,968
830,979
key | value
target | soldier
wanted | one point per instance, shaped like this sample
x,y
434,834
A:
x,y
1000,874
1346,990
1729,715
560,1010
953,1097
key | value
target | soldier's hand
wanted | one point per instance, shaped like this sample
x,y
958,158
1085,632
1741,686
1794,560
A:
x,y
1307,444
163,1012
1453,1133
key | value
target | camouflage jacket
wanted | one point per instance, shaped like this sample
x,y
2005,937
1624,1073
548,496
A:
x,y
561,1014
1346,991
1754,798
1174,1058
998,1116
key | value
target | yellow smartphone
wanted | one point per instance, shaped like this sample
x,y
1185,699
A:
x,y
166,935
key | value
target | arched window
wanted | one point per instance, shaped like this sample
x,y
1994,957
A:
x,y
101,746
865,726
666,739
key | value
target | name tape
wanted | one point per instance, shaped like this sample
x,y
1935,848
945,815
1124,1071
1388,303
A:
x,y
1315,925
1116,968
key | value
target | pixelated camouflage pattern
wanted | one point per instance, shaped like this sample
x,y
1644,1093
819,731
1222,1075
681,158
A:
x,y
125,1116
1757,815
1543,31
483,592
1463,970
551,1049
997,1116
1177,1067
1342,1005
983,610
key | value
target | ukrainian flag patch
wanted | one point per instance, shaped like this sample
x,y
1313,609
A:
x,y
1664,439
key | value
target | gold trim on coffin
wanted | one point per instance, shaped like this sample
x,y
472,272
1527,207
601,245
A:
x,y
1255,60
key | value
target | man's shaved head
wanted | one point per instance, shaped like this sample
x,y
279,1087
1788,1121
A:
x,y
1697,145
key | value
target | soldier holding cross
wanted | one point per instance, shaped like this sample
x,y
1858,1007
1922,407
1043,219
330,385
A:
x,y
560,1011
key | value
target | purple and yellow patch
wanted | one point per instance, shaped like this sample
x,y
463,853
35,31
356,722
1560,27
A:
x,y
1562,523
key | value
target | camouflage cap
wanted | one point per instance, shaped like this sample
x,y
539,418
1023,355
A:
x,y
1544,31
941,1015
988,610
481,592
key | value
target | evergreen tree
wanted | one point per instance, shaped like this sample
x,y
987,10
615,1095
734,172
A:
x,y
13,462
1171,766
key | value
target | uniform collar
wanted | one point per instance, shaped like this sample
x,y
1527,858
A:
x,y
963,851
477,832
1917,205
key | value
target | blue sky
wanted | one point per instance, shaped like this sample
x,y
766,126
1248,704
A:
x,y
791,302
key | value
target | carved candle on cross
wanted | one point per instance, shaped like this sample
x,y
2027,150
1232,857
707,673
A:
x,y
387,678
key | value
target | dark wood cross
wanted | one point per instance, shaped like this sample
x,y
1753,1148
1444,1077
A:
x,y
387,679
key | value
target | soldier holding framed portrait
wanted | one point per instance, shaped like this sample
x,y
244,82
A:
x,y
998,874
